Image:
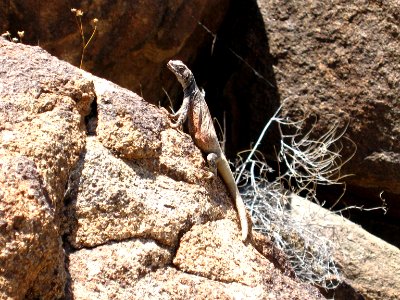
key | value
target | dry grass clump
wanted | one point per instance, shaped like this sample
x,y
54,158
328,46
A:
x,y
307,162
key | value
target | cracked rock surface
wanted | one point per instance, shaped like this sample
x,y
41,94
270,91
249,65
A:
x,y
99,198
43,102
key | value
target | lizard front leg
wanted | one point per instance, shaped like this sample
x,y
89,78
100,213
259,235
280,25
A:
x,y
181,114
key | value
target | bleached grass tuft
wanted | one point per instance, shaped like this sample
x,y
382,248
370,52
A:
x,y
307,162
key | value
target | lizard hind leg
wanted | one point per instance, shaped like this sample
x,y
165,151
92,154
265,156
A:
x,y
212,162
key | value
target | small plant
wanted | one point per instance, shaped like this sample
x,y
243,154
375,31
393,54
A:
x,y
78,17
308,162
21,35
7,35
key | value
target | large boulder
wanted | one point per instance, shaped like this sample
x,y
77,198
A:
x,y
31,254
134,221
338,61
99,197
369,265
43,102
209,264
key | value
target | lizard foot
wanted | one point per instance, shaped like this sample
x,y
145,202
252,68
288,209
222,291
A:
x,y
212,163
171,117
210,175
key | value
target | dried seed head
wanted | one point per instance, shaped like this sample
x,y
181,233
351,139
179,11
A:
x,y
21,34
77,12
94,22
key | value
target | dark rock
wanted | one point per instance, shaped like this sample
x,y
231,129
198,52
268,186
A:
x,y
133,42
340,65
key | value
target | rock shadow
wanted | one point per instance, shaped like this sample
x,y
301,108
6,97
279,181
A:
x,y
239,79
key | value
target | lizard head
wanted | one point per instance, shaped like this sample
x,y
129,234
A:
x,y
182,73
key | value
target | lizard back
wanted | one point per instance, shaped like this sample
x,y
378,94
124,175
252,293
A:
x,y
201,126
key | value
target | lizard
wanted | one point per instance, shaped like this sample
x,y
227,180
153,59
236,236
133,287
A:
x,y
194,109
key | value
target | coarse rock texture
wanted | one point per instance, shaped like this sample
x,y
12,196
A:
x,y
42,105
206,266
108,271
119,128
370,265
43,102
335,59
117,200
339,60
131,211
133,39
209,250
31,256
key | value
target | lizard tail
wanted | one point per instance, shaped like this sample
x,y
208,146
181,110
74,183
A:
x,y
242,215
225,172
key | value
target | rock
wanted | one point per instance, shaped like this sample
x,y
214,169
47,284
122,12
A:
x,y
118,200
332,59
42,105
108,271
31,256
169,283
126,124
210,251
335,60
127,213
142,269
132,43
370,265
157,198
42,110
167,169
329,59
